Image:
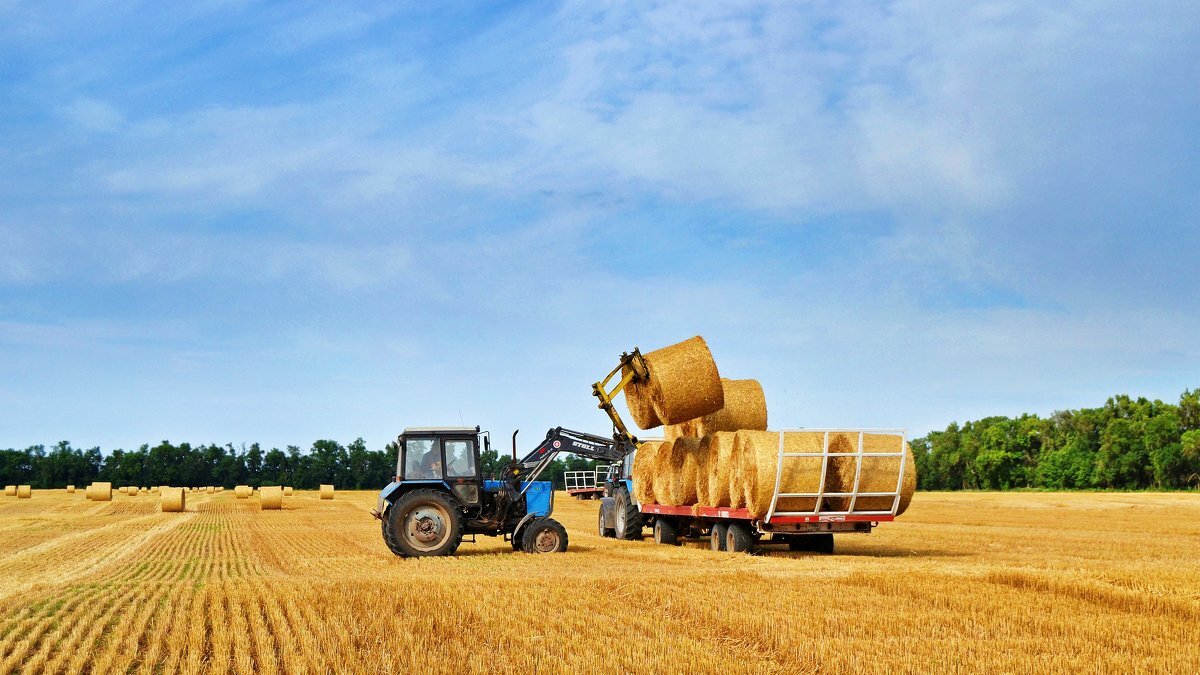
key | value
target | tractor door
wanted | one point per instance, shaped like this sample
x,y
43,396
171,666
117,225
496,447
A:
x,y
461,462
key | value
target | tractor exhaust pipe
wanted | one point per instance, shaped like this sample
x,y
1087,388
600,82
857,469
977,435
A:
x,y
515,444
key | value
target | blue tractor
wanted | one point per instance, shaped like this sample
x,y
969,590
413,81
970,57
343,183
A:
x,y
440,495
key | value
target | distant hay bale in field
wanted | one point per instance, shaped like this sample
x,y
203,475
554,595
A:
x,y
173,500
24,492
143,491
643,472
287,491
242,491
879,474
326,492
212,490
718,448
683,384
220,489
759,456
70,489
154,489
270,498
10,490
100,492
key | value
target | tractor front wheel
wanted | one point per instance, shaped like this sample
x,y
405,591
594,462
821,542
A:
x,y
424,523
544,535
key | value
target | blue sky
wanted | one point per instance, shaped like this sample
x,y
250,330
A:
x,y
277,222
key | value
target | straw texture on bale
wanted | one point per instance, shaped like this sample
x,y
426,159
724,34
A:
x,y
70,489
879,474
326,492
10,490
643,472
271,498
640,403
100,492
673,431
24,492
287,491
675,472
174,500
759,457
745,409
683,384
718,449
242,491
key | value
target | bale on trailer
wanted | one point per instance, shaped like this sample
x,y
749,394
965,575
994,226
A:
x,y
326,492
673,431
242,491
683,384
745,409
719,449
174,500
643,471
270,498
287,491
759,451
879,474
695,469
24,492
70,489
675,471
10,490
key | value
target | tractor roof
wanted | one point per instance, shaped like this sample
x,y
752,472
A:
x,y
432,430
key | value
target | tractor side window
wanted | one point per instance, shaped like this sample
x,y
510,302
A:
x,y
421,459
460,459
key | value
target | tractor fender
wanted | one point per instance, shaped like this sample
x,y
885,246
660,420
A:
x,y
608,512
523,522
385,497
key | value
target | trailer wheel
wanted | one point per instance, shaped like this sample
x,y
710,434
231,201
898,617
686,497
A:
x,y
738,538
665,532
606,532
544,535
716,538
628,518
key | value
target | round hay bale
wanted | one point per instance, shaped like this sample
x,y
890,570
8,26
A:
x,y
220,489
643,472
100,492
287,491
879,474
675,471
271,498
759,454
173,500
326,492
211,490
10,490
143,491
641,405
698,461
70,489
673,431
718,448
745,409
242,491
24,492
684,383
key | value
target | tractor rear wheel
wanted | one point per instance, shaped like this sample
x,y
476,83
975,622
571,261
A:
x,y
387,539
628,518
424,523
544,535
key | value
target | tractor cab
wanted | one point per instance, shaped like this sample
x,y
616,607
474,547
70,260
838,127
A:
x,y
442,456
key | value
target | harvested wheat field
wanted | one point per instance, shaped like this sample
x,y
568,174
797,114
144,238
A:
x,y
981,582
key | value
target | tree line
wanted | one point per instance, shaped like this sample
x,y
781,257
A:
x,y
1126,444
351,466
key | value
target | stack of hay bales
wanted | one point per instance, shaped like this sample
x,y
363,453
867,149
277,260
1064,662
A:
x,y
271,498
326,492
242,491
723,456
100,492
173,500
24,492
